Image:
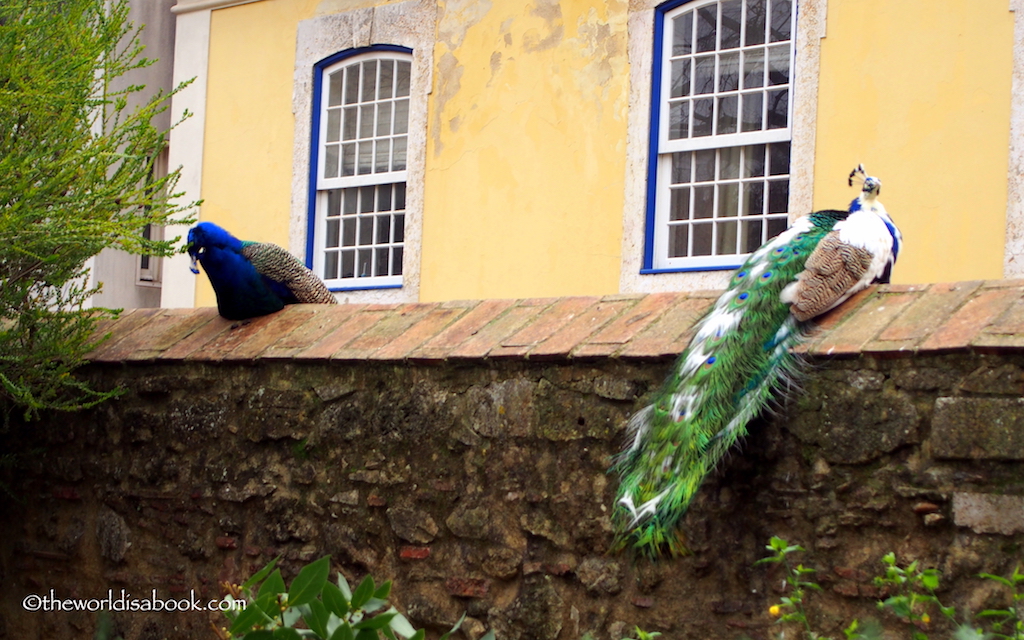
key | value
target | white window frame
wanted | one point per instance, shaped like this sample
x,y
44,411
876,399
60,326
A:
x,y
662,147
396,178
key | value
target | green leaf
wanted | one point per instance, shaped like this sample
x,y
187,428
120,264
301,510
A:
x,y
286,633
488,636
367,634
401,626
315,614
262,634
262,573
930,579
383,591
376,622
271,586
999,579
419,635
310,581
335,600
248,618
343,632
343,585
363,593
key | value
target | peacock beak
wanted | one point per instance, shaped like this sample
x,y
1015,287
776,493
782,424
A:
x,y
194,264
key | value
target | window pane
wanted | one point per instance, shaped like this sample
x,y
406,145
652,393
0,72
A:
x,y
729,163
331,161
729,72
703,202
384,119
400,196
751,239
753,68
777,226
753,106
383,229
364,268
726,241
383,156
365,157
333,233
680,78
334,85
702,116
681,167
401,116
680,207
682,34
753,200
387,79
399,228
384,197
352,84
365,230
369,81
348,264
778,196
403,79
781,20
727,114
707,17
381,268
366,121
396,261
705,159
351,201
334,203
330,265
351,123
702,238
778,158
753,161
755,21
778,65
398,159
679,120
348,232
704,75
731,16
728,200
678,239
366,199
333,132
778,109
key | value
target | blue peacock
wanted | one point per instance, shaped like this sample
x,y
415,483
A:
x,y
252,279
739,355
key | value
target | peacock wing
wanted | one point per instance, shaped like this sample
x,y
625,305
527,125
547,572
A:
x,y
831,271
280,266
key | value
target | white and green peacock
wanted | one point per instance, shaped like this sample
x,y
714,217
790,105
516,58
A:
x,y
739,355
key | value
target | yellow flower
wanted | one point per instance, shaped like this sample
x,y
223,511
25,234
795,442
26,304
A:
x,y
775,610
926,618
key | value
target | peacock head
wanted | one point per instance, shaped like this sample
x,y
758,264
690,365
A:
x,y
871,186
205,235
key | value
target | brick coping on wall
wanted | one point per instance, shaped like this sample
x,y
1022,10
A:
x,y
890,320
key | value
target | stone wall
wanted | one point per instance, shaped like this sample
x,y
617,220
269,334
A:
x,y
479,484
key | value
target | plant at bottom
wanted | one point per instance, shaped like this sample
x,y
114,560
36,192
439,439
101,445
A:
x,y
328,611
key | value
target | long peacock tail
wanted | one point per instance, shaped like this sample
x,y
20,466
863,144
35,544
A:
x,y
725,377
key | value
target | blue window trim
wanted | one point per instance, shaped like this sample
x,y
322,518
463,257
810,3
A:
x,y
652,141
314,150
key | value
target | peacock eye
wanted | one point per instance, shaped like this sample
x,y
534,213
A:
x,y
741,274
767,274
743,296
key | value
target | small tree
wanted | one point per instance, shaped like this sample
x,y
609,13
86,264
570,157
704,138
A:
x,y
76,176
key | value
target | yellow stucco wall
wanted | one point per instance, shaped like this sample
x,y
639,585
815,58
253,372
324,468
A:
x,y
248,146
526,149
921,95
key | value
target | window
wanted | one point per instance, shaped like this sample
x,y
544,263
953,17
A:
x,y
721,130
360,129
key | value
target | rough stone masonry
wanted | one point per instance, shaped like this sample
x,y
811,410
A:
x,y
480,485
